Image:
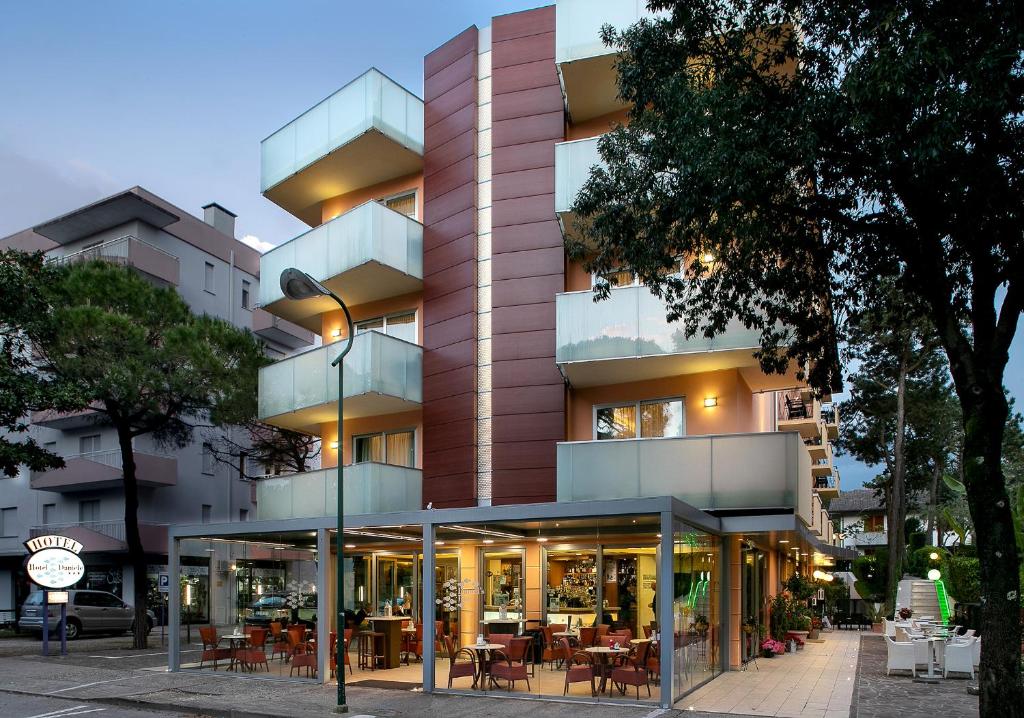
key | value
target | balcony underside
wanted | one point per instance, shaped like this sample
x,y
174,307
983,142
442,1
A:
x,y
821,470
368,282
309,418
81,474
590,87
369,159
68,420
817,451
281,330
808,428
828,492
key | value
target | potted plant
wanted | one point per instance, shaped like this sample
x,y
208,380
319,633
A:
x,y
905,613
876,610
770,647
815,628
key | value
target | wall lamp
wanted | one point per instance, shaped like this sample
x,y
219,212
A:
x,y
710,401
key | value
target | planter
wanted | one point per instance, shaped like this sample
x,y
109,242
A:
x,y
876,627
812,634
767,654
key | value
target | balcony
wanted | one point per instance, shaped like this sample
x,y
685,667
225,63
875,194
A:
x,y
102,470
280,331
65,420
735,471
794,414
132,252
830,421
368,132
383,375
369,489
106,536
585,64
368,253
626,338
573,162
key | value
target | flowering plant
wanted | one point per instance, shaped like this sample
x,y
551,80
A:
x,y
770,645
905,613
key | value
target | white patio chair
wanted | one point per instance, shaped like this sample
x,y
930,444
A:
x,y
922,654
959,658
890,627
969,633
976,646
900,657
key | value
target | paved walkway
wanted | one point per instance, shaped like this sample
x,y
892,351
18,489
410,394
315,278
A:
x,y
882,696
816,682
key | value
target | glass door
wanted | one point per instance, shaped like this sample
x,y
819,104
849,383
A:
x,y
503,586
395,584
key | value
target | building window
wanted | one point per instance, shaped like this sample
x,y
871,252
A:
x,y
208,459
403,203
208,279
874,523
207,510
89,510
49,514
243,514
89,444
8,519
245,294
654,419
401,326
397,448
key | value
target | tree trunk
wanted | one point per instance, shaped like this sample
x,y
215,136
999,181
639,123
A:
x,y
999,675
136,553
897,507
933,501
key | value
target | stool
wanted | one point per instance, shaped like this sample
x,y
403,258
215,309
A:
x,y
371,649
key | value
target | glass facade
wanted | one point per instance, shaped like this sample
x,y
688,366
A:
x,y
697,627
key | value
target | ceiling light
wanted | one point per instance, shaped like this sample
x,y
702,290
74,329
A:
x,y
439,543
485,532
707,258
488,540
541,539
350,545
783,540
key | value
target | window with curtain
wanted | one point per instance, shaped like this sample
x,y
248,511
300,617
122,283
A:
x,y
401,326
397,448
660,418
403,203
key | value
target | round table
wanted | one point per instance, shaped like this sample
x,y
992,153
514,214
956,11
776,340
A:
x,y
602,654
481,650
237,641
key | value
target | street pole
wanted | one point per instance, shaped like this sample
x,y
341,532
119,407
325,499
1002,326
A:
x,y
339,568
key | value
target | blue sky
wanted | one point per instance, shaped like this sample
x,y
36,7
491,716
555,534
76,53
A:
x,y
176,96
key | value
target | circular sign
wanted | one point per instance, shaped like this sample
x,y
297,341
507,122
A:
x,y
55,568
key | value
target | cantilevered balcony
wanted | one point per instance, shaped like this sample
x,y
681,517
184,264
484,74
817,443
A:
x,y
129,251
369,131
368,253
383,375
585,64
735,471
102,470
573,162
280,330
627,338
370,488
795,414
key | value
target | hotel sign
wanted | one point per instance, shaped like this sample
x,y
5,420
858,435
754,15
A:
x,y
54,562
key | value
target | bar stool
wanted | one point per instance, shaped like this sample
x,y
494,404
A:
x,y
371,649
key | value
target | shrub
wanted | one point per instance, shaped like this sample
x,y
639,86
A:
x,y
917,541
962,578
920,562
871,574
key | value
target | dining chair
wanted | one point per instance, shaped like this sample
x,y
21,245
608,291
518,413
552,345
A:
x,y
503,638
588,634
279,640
579,668
922,653
212,650
304,659
959,658
520,650
633,672
900,656
648,631
504,668
457,668
255,654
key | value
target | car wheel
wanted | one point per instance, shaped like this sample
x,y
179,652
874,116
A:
x,y
73,629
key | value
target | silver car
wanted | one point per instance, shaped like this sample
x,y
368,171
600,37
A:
x,y
88,612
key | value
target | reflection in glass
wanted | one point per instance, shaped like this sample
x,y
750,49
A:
x,y
616,422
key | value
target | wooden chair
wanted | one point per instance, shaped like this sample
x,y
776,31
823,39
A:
x,y
456,668
520,650
579,668
256,654
504,668
633,672
212,651
280,641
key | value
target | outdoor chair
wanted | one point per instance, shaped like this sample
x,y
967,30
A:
x,y
212,651
900,657
280,641
654,662
305,659
922,653
959,658
502,667
648,631
579,668
969,633
977,651
503,638
633,672
520,650
889,627
587,636
456,668
627,633
552,652
255,654
296,636
602,629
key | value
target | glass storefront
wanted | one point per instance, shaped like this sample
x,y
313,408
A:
x,y
697,628
753,612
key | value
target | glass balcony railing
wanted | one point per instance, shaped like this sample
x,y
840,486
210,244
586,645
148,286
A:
x,y
369,489
372,104
573,161
383,375
736,471
578,25
631,324
368,253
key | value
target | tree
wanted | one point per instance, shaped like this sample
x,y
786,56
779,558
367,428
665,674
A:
x,y
22,389
137,355
263,446
887,419
800,173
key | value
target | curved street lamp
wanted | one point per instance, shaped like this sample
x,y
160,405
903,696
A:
x,y
297,285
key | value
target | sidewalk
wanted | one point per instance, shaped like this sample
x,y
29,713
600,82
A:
x,y
219,695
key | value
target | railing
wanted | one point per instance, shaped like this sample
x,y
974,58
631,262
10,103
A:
x,y
732,471
371,101
791,406
578,25
114,249
111,529
573,162
370,488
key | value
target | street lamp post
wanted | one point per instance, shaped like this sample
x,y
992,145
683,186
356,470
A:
x,y
297,285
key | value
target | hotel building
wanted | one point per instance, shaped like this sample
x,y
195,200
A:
x,y
516,455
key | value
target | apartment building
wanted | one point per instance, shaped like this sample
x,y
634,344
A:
x,y
515,455
216,275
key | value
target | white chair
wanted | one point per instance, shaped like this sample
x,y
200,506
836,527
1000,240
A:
x,y
890,627
959,658
969,633
922,653
976,646
900,657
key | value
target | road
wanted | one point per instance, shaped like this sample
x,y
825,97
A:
x,y
14,705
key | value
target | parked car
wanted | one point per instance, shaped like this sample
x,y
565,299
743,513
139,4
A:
x,y
88,612
273,607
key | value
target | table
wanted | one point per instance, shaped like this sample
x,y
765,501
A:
x,y
602,655
481,650
237,641
638,641
931,676
391,627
